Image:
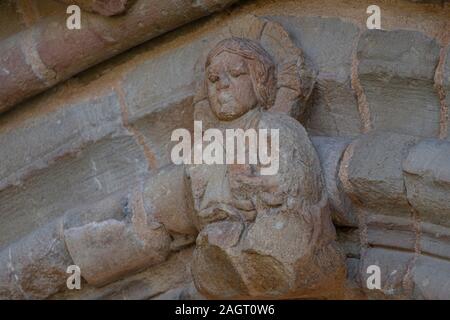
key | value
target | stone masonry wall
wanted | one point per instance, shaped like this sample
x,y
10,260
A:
x,y
93,137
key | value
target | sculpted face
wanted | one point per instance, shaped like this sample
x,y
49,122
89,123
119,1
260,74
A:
x,y
230,88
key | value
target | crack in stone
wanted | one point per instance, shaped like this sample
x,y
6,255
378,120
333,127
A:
x,y
363,106
439,87
408,281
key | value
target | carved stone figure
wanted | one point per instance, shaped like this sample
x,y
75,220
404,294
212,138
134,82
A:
x,y
260,236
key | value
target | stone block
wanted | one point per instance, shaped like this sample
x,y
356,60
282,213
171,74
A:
x,y
372,173
427,180
393,266
435,240
107,250
162,81
156,129
35,142
431,278
35,267
111,165
395,238
391,231
148,284
396,70
328,44
16,73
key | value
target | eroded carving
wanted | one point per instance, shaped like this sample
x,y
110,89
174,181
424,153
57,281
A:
x,y
260,236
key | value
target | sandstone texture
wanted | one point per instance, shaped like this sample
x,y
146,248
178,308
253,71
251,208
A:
x,y
87,179
396,70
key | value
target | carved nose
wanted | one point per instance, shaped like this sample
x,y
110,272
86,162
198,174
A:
x,y
223,83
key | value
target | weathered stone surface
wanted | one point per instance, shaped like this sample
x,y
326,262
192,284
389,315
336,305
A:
x,y
348,239
372,173
10,19
99,170
114,207
43,48
110,249
148,284
353,280
159,192
396,70
103,7
156,129
35,267
36,142
330,151
328,44
260,236
90,169
431,278
427,180
391,231
393,271
158,105
435,240
16,73
113,246
259,266
188,292
397,238
145,93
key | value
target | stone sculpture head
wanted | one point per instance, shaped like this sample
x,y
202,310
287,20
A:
x,y
240,75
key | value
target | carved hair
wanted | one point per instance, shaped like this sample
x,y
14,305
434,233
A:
x,y
261,66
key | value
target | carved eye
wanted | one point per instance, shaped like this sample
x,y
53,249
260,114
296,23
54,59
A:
x,y
213,78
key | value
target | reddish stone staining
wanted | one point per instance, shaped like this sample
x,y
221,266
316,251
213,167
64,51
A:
x,y
103,7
